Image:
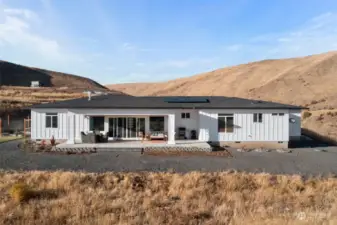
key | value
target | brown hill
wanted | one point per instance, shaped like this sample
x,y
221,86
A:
x,y
17,75
15,92
308,81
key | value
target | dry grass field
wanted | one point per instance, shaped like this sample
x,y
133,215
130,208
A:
x,y
167,198
17,97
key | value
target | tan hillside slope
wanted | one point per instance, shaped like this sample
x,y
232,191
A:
x,y
308,81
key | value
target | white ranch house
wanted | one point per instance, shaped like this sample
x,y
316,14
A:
x,y
225,120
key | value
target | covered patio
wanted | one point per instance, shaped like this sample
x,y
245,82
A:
x,y
132,128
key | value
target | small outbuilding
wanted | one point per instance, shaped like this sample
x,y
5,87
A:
x,y
35,84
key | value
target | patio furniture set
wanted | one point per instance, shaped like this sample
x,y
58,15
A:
x,y
98,137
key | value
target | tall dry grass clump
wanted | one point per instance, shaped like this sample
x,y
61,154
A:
x,y
20,192
170,198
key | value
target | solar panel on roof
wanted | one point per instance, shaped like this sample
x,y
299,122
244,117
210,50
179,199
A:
x,y
186,100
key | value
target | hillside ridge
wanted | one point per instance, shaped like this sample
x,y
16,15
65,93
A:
x,y
12,74
306,81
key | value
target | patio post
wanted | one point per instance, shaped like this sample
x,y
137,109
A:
x,y
171,128
71,128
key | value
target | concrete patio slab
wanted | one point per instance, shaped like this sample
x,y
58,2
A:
x,y
137,146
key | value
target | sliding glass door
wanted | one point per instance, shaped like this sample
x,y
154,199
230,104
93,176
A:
x,y
126,127
131,131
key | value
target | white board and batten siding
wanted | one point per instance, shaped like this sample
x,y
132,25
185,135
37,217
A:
x,y
64,130
272,128
79,119
190,124
38,124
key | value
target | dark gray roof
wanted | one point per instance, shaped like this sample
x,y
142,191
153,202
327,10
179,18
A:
x,y
158,102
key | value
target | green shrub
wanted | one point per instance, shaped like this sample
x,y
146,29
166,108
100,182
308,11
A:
x,y
306,114
20,192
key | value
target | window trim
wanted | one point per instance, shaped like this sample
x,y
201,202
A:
x,y
278,114
185,115
258,118
225,116
52,117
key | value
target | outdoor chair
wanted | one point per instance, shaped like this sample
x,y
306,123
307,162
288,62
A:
x,y
88,138
103,138
181,133
193,134
157,135
100,138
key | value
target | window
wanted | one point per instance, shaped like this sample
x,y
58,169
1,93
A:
x,y
51,120
97,123
280,114
225,123
157,123
257,117
185,115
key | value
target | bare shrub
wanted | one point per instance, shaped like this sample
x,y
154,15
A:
x,y
313,102
320,117
332,114
306,114
20,192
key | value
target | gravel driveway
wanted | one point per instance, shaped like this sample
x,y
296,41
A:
x,y
304,161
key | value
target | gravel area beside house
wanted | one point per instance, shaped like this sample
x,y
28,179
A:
x,y
304,161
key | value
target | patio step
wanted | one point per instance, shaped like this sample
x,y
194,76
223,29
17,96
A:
x,y
94,149
178,148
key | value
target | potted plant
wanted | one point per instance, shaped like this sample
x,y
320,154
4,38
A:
x,y
52,141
